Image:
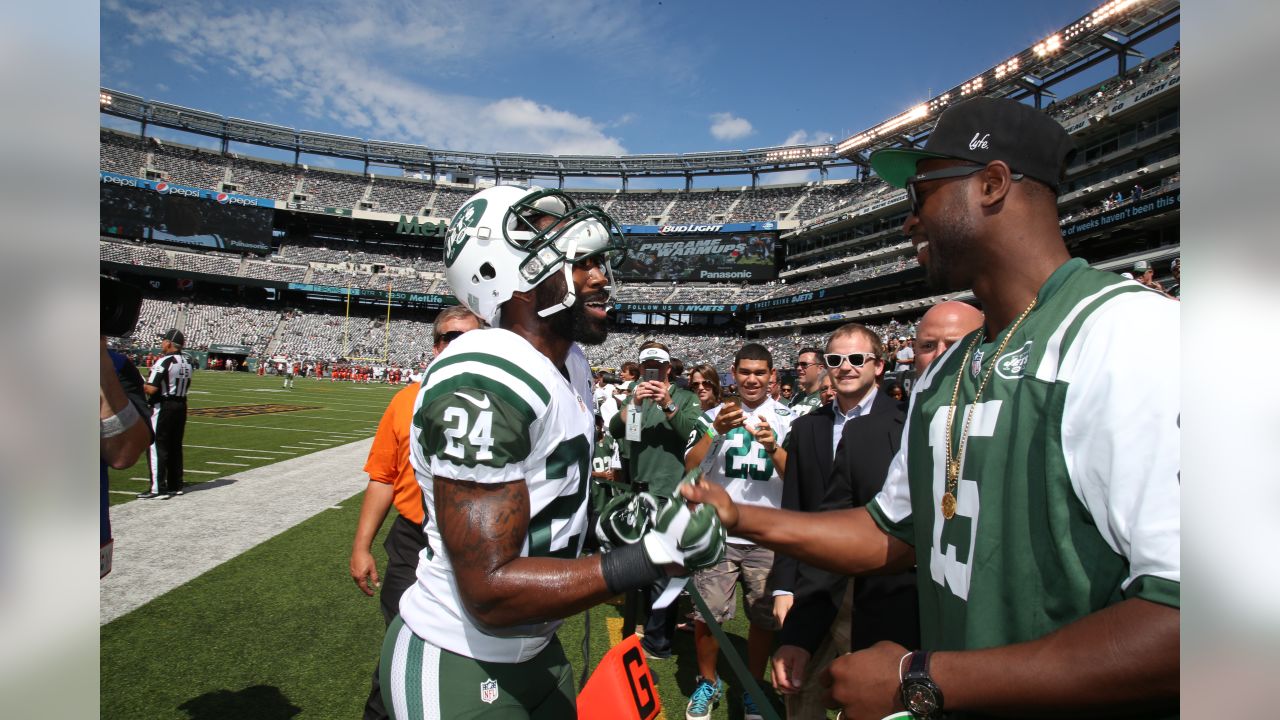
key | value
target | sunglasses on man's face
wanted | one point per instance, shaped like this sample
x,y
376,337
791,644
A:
x,y
835,360
450,336
943,174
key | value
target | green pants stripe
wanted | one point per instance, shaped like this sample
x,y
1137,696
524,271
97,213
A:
x,y
423,682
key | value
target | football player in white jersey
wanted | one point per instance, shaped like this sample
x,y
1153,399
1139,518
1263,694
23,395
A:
x,y
741,448
502,436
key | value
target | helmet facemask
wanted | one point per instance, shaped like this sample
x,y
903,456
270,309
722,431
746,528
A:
x,y
557,233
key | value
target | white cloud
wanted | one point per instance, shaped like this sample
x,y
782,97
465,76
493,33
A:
x,y
727,126
365,77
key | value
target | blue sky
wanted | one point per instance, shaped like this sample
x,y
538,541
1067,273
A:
x,y
566,77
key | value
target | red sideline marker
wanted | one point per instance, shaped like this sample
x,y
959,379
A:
x,y
620,688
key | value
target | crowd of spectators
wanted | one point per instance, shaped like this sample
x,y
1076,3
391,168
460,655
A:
x,y
765,203
637,208
702,206
195,167
1152,71
208,324
274,271
326,189
400,195
207,263
121,153
1120,197
277,181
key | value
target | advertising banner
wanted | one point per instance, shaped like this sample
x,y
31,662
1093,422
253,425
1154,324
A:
x,y
739,252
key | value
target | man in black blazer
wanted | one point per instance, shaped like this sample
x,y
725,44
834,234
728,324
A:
x,y
853,360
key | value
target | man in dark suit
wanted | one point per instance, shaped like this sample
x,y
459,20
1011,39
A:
x,y
870,423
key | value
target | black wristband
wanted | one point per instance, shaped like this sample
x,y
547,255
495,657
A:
x,y
628,568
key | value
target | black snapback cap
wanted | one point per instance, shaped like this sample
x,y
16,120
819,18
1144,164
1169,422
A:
x,y
984,129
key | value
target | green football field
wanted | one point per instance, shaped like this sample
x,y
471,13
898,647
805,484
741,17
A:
x,y
281,631
238,421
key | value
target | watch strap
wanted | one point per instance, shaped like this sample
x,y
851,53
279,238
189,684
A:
x,y
916,681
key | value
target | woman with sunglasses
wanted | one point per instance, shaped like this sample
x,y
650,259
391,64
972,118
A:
x,y
705,381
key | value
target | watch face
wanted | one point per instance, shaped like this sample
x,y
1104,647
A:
x,y
920,700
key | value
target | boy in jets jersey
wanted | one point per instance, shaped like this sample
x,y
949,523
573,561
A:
x,y
740,448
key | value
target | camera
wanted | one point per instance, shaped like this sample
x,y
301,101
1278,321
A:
x,y
651,374
121,304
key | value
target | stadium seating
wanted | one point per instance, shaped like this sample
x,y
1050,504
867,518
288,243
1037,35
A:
x,y
189,166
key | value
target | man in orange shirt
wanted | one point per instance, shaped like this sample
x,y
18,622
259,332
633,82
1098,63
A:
x,y
391,479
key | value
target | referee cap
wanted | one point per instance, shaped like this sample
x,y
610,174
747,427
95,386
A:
x,y
175,336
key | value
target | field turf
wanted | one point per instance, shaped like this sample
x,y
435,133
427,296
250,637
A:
x,y
238,421
282,631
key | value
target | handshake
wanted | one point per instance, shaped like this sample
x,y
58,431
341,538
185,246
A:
x,y
669,531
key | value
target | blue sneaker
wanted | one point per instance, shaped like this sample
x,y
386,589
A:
x,y
749,709
706,696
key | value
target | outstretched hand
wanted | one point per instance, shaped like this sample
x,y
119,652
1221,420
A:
x,y
713,494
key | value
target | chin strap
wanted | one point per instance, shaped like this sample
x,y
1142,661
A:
x,y
571,292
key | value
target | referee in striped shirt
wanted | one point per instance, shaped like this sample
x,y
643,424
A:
x,y
166,390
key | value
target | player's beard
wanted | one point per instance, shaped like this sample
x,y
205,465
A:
x,y
951,238
573,322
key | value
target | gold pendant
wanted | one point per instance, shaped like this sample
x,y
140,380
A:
x,y
953,472
948,505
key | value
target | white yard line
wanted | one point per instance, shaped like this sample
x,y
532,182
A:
x,y
228,464
215,522
260,427
255,457
200,472
215,447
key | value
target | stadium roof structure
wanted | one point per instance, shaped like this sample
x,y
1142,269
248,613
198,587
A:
x,y
1110,31
500,165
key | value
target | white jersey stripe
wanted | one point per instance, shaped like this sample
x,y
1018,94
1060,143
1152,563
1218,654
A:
x,y
430,681
399,705
1048,369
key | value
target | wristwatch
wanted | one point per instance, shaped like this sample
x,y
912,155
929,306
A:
x,y
920,695
670,407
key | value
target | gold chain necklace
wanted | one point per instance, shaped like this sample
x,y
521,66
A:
x,y
954,461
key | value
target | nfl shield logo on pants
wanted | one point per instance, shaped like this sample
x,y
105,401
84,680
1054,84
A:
x,y
489,690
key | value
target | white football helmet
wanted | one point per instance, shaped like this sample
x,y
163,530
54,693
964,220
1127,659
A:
x,y
494,246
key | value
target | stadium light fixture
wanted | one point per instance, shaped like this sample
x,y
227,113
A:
x,y
104,99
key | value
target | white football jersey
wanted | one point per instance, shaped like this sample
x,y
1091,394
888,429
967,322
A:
x,y
741,465
492,409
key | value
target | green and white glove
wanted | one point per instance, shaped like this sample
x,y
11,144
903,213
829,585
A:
x,y
625,519
691,538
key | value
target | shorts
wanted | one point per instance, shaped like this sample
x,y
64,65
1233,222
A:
x,y
423,682
749,564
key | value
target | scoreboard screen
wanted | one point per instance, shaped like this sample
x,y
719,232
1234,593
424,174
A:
x,y
701,257
174,217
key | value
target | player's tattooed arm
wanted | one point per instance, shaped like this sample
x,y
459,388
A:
x,y
484,527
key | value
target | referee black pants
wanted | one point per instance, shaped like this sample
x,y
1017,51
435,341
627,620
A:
x,y
169,422
404,541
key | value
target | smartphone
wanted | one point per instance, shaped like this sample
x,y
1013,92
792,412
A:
x,y
651,374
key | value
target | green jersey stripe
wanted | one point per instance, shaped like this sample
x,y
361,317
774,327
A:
x,y
500,363
480,382
413,677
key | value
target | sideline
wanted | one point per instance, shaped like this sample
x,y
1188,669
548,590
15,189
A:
x,y
161,544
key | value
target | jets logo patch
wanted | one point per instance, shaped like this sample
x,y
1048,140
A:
x,y
1012,365
466,218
